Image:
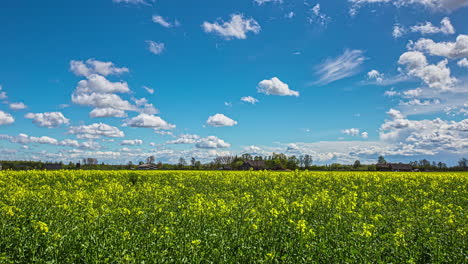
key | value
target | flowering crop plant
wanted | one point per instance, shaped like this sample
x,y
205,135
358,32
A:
x,y
233,217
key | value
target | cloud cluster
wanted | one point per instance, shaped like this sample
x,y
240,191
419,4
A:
x,y
92,66
220,120
434,5
48,119
131,142
275,86
237,27
451,50
95,131
25,139
210,142
434,75
17,106
428,28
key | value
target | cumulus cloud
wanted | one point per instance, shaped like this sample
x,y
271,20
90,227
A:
x,y
428,28
398,31
434,5
237,27
149,121
96,130
185,139
155,47
220,120
92,66
212,142
107,112
48,119
343,66
434,75
375,75
25,139
249,99
17,106
463,63
275,86
451,50
426,136
131,1
6,118
365,135
131,142
351,132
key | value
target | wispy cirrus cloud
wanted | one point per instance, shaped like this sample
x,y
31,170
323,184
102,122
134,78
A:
x,y
343,66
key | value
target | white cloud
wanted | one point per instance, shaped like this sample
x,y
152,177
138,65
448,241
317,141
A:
x,y
249,99
48,119
398,31
17,106
290,15
318,17
3,95
463,63
220,120
131,1
427,136
375,75
365,135
413,93
434,5
395,114
25,139
163,22
6,118
212,142
149,121
351,132
99,84
155,47
237,27
428,28
275,86
96,130
107,112
344,66
92,66
260,2
102,100
131,142
434,75
452,50
185,139
149,89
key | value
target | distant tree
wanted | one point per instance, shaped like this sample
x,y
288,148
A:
x,y
193,161
150,160
381,160
441,165
357,164
141,162
246,157
182,161
301,161
463,163
308,160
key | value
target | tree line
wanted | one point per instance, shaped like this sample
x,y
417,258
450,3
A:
x,y
276,161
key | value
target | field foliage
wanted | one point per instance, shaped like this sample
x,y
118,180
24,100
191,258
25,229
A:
x,y
234,217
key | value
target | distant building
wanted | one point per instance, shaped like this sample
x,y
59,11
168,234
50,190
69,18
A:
x,y
253,164
53,166
394,167
147,167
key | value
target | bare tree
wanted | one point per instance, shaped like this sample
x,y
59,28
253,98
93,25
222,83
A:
x,y
150,160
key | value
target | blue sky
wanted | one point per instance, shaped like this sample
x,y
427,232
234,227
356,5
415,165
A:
x,y
340,80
